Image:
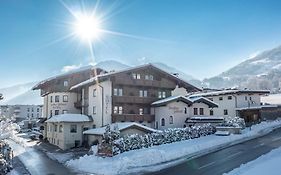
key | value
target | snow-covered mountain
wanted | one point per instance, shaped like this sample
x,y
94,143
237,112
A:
x,y
261,72
22,93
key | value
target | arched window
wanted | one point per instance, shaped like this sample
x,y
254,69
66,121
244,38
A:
x,y
162,122
171,120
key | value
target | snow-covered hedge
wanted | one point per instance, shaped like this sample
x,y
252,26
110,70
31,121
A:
x,y
119,145
236,122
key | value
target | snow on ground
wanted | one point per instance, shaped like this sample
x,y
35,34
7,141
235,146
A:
x,y
159,157
268,163
60,157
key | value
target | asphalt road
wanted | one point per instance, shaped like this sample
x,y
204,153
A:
x,y
36,162
225,160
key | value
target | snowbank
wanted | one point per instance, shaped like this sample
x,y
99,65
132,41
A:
x,y
268,163
159,157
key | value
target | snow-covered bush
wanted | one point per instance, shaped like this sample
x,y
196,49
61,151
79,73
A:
x,y
6,128
135,141
234,122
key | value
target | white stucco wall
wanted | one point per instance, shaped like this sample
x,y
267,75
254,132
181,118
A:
x,y
97,101
69,106
66,138
237,101
177,110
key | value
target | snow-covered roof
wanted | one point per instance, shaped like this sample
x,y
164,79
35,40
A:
x,y
92,80
121,126
186,100
256,107
70,118
228,92
207,118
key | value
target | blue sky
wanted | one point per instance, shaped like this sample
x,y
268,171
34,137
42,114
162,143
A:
x,y
200,37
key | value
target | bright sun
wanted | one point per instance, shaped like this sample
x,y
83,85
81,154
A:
x,y
87,27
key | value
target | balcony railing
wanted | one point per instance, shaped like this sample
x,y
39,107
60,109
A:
x,y
134,99
150,83
132,118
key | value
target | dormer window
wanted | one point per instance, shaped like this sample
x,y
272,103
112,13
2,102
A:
x,y
65,83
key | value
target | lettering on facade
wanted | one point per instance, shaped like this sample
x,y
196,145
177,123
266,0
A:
x,y
58,105
107,102
176,109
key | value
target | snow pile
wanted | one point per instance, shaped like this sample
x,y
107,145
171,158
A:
x,y
158,157
69,118
268,163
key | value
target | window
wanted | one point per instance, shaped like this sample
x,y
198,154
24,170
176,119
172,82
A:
x,y
134,76
225,112
118,92
32,110
115,110
162,122
28,115
56,128
27,109
220,98
201,111
60,128
161,94
65,98
141,111
65,83
57,98
94,109
195,111
57,112
250,98
37,115
151,77
32,115
51,99
138,76
146,77
51,113
143,93
246,98
64,111
211,112
185,110
171,120
229,97
94,92
38,109
73,128
120,110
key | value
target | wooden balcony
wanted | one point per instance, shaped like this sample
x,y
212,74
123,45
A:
x,y
141,82
134,99
132,117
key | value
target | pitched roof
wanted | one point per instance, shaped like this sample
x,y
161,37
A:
x,y
94,79
82,69
229,92
70,118
187,100
120,126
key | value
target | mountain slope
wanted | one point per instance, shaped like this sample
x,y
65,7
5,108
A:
x,y
260,72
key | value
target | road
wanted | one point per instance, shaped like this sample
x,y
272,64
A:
x,y
36,162
225,160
